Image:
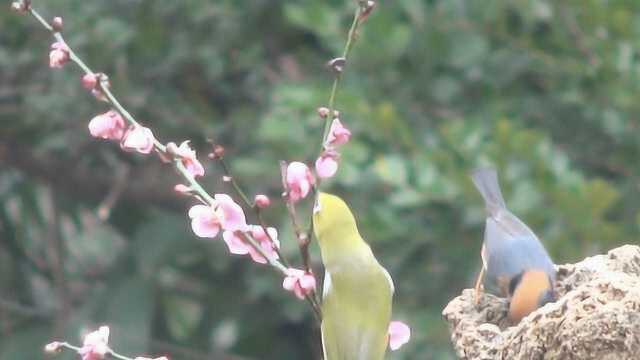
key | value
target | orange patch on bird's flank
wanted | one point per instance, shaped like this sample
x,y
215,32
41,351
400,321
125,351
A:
x,y
526,297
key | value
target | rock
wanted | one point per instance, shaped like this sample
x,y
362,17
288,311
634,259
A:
x,y
596,316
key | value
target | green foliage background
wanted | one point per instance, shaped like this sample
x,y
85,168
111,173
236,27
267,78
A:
x,y
544,90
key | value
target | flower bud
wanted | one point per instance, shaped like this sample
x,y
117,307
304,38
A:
x,y
54,347
57,24
337,64
89,81
182,189
366,7
323,112
218,152
262,201
18,6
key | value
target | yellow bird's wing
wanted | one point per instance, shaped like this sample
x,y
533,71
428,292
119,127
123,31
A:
x,y
357,311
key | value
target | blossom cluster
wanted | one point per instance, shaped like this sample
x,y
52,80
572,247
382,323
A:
x,y
218,214
94,347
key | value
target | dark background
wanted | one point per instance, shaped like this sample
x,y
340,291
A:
x,y
547,91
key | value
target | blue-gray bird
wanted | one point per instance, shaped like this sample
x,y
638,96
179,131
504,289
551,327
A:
x,y
514,261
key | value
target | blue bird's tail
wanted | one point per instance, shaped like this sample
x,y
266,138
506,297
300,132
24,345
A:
x,y
486,180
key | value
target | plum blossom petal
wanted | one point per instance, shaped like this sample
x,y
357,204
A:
x,y
235,244
299,282
109,125
182,189
299,180
327,164
138,138
232,216
205,222
189,159
95,345
59,55
399,334
265,243
338,134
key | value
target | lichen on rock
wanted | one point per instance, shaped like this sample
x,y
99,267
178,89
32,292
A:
x,y
596,316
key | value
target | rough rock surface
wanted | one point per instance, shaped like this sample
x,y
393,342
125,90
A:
x,y
596,316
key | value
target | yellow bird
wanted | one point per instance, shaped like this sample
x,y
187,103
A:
x,y
357,292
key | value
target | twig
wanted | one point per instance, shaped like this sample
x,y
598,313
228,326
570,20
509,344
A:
x,y
116,191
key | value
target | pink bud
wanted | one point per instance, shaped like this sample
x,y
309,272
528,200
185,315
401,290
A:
x,y
20,6
89,81
53,347
218,152
262,201
57,24
323,112
59,55
182,189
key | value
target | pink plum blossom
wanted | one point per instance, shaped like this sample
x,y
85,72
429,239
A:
x,y
59,55
338,134
232,215
95,346
299,180
109,125
207,221
237,244
399,334
138,138
327,163
299,282
189,159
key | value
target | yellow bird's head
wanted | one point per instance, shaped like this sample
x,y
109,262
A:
x,y
529,291
332,218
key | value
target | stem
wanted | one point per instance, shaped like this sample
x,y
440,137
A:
x,y
234,183
353,30
273,262
263,224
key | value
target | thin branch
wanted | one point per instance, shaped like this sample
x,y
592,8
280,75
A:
x,y
197,189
